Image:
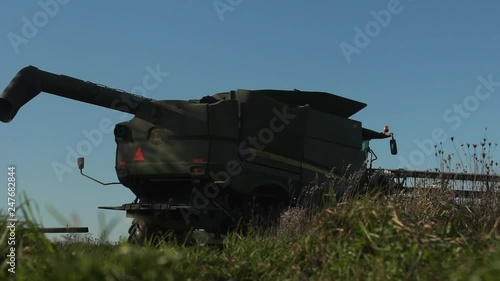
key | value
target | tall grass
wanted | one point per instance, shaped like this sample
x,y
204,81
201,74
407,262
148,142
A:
x,y
424,235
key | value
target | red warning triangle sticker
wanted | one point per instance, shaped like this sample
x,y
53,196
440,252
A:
x,y
138,155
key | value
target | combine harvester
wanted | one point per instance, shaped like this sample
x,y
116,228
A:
x,y
216,161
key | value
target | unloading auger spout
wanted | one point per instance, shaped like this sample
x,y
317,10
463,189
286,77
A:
x,y
30,81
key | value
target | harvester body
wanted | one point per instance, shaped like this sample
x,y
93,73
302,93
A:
x,y
200,164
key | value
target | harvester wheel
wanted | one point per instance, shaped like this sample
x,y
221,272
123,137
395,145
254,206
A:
x,y
142,232
267,212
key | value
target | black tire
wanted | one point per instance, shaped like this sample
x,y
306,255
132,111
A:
x,y
266,213
143,233
139,232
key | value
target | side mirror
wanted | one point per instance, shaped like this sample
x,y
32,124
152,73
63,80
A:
x,y
394,146
81,163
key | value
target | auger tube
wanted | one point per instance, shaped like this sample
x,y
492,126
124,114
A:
x,y
30,81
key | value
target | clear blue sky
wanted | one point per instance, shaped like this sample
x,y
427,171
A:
x,y
415,71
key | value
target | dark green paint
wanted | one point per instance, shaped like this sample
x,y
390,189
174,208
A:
x,y
216,153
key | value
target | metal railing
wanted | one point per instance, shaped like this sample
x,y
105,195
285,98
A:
x,y
463,184
64,229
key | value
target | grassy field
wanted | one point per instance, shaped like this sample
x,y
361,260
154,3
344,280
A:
x,y
424,236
